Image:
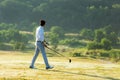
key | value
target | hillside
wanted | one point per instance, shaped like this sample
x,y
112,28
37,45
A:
x,y
72,15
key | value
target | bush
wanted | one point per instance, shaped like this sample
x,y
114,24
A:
x,y
2,46
115,55
19,46
104,54
5,46
76,54
94,45
106,44
99,34
56,33
70,42
87,33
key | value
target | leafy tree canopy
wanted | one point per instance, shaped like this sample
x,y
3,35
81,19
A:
x,y
71,15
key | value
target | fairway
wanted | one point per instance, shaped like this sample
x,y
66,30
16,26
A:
x,y
15,66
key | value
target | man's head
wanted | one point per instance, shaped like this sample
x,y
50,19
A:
x,y
42,22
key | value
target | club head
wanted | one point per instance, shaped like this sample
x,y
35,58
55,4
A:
x,y
69,60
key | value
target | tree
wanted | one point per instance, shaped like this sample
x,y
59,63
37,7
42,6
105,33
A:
x,y
14,37
19,46
87,33
99,34
106,44
108,29
56,33
94,45
73,42
12,11
111,35
70,15
58,30
54,39
105,37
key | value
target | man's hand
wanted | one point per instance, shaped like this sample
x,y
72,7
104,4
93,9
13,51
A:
x,y
44,44
47,43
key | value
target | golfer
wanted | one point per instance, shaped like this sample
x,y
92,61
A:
x,y
40,46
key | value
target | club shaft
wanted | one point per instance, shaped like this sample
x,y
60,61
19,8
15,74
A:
x,y
57,52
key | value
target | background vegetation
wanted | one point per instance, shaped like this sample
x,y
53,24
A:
x,y
68,14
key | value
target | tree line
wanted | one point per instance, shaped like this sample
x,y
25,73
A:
x,y
71,15
102,38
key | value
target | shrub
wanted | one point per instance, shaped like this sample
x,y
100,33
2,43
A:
x,y
99,34
76,54
104,54
94,45
5,46
87,33
106,44
70,42
115,55
19,46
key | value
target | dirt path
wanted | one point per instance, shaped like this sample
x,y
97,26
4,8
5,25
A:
x,y
15,67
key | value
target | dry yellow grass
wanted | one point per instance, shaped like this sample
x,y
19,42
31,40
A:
x,y
15,66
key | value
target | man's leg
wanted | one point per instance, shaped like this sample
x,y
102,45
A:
x,y
35,57
41,47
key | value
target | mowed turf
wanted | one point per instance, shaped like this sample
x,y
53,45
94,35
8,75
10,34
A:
x,y
15,66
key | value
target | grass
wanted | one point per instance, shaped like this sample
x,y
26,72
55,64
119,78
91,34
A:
x,y
14,65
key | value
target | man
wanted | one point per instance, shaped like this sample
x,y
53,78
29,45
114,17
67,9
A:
x,y
40,46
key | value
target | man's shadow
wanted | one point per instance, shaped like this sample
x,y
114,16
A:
x,y
90,75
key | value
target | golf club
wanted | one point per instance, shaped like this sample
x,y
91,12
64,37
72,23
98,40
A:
x,y
59,54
